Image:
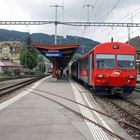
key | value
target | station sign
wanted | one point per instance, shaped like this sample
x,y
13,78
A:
x,y
53,54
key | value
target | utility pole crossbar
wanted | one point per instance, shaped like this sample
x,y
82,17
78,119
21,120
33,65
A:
x,y
89,23
25,22
105,24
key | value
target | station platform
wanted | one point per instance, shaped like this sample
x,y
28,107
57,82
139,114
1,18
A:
x,y
138,78
32,115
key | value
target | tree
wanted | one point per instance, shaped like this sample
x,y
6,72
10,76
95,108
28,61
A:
x,y
28,57
42,67
76,57
29,40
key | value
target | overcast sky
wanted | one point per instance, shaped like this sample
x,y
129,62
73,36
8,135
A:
x,y
74,10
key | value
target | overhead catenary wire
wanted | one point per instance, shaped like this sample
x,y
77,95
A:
x,y
92,10
62,17
113,7
127,17
109,12
89,13
95,13
82,12
124,19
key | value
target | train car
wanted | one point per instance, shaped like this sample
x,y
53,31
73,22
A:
x,y
110,68
74,69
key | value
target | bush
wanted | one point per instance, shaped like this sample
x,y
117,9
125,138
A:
x,y
37,72
16,72
1,74
7,73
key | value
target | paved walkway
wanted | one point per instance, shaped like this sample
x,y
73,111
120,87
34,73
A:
x,y
138,77
29,116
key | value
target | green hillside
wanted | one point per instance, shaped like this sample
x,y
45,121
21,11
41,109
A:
x,y
10,35
85,43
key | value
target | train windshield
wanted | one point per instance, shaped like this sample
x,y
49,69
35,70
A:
x,y
125,62
105,61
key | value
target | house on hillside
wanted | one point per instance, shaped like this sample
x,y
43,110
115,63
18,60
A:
x,y
10,55
136,43
9,66
10,50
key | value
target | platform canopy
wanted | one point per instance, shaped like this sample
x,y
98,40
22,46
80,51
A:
x,y
59,54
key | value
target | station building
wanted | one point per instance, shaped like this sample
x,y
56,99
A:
x,y
136,43
10,55
10,51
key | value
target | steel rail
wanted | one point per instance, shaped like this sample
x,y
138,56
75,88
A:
x,y
133,103
131,125
136,128
16,86
14,78
118,106
83,117
137,89
73,102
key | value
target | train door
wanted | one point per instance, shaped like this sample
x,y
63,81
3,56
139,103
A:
x,y
78,70
90,69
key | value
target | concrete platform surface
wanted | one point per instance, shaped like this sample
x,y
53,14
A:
x,y
138,78
29,116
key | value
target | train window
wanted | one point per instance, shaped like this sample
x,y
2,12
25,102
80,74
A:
x,y
125,62
105,61
84,64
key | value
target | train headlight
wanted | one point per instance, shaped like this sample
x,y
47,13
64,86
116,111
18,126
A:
x,y
131,77
99,75
115,47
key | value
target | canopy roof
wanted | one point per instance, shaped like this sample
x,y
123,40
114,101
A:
x,y
62,53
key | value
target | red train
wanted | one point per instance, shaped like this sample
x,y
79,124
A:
x,y
110,68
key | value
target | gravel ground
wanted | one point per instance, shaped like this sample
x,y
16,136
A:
x,y
116,113
135,97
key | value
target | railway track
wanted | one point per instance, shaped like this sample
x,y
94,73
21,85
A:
x,y
137,88
15,86
126,112
129,110
15,78
22,84
116,136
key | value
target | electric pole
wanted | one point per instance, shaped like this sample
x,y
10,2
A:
x,y
88,6
56,22
129,34
129,30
